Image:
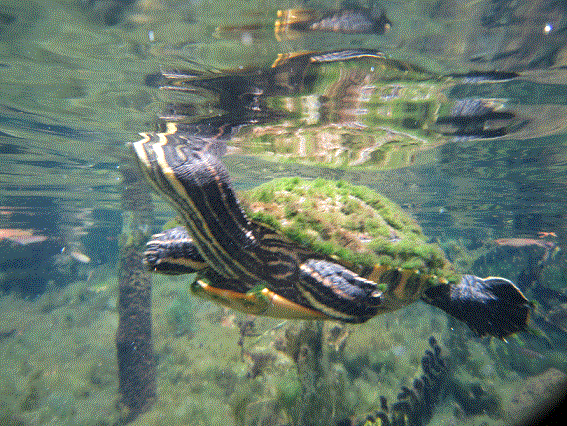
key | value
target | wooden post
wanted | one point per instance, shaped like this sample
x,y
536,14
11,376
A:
x,y
134,346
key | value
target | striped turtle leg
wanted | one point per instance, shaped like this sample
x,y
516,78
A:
x,y
338,292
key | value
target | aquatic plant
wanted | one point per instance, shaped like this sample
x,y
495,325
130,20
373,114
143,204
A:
x,y
180,314
416,406
321,392
288,391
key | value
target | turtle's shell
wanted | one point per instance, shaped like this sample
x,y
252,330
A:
x,y
351,224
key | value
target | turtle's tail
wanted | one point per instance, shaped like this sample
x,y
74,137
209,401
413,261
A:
x,y
489,306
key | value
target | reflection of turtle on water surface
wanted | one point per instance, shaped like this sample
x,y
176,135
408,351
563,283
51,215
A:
x,y
306,249
350,19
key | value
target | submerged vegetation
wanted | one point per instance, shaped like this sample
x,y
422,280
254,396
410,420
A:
x,y
181,312
215,366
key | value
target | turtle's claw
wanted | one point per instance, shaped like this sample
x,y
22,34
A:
x,y
173,252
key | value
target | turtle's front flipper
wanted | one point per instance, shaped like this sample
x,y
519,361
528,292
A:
x,y
338,292
489,306
173,252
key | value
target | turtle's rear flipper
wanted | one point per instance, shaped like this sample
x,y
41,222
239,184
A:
x,y
489,306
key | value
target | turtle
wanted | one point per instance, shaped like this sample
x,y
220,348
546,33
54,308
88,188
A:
x,y
306,248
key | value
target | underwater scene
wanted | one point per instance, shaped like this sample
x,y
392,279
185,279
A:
x,y
283,212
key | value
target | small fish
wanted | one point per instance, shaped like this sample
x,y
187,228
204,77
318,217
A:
x,y
229,321
80,257
524,242
543,234
531,353
21,236
7,334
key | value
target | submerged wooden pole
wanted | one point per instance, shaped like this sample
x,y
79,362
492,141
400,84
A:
x,y
134,346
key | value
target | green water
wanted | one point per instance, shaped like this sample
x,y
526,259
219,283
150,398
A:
x,y
79,80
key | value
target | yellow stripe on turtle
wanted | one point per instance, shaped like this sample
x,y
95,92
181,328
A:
x,y
186,262
258,301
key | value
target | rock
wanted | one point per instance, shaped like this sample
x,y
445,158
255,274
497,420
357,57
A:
x,y
536,396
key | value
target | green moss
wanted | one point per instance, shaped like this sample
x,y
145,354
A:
x,y
173,223
350,223
266,196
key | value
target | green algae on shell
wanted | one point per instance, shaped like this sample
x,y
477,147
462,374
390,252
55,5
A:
x,y
352,224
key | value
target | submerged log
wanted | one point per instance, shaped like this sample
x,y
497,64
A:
x,y
134,346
